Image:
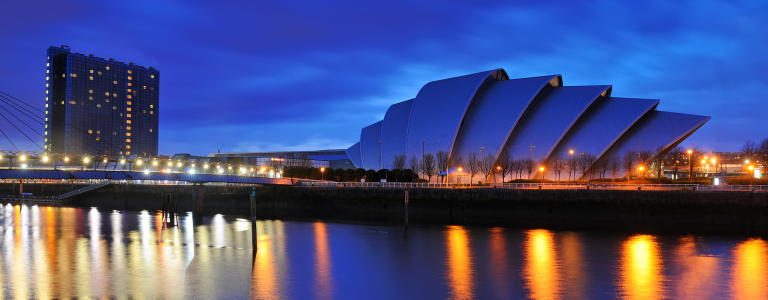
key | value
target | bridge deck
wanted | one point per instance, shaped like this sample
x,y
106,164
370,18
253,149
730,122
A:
x,y
127,175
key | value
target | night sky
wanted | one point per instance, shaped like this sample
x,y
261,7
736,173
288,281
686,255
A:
x,y
306,75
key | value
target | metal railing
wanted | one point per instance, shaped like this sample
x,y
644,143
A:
x,y
548,186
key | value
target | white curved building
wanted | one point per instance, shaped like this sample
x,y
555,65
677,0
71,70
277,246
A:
x,y
462,114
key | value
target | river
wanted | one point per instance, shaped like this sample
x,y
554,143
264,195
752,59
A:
x,y
71,252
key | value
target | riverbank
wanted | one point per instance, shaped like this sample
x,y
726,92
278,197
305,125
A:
x,y
487,205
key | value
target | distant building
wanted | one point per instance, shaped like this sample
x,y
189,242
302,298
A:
x,y
99,106
334,159
490,115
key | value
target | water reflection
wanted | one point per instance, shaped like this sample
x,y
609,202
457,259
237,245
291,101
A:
x,y
323,277
542,269
641,274
750,270
50,253
459,263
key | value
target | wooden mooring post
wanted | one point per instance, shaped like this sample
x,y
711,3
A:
x,y
169,209
254,234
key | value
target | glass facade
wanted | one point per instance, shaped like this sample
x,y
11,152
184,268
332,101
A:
x,y
101,107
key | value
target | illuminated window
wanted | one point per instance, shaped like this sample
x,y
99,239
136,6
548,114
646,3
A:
x,y
73,75
114,107
127,121
129,84
46,98
63,75
130,72
114,82
46,119
127,140
114,95
90,77
129,102
128,134
151,112
151,106
46,105
46,91
121,114
150,130
99,72
106,93
47,78
90,131
129,90
151,76
107,67
128,147
47,71
129,109
129,97
152,88
91,71
114,132
106,100
98,138
144,111
98,131
127,152
145,87
47,64
73,102
128,115
62,102
98,105
130,78
127,127
90,98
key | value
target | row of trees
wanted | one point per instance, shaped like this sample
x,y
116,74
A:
x,y
350,175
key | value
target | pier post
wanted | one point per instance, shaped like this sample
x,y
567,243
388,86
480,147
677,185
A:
x,y
254,234
407,186
21,190
169,208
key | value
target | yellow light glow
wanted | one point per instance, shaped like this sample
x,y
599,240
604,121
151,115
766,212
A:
x,y
122,161
322,169
713,160
689,151
751,168
640,168
66,159
105,160
154,163
570,152
641,273
221,171
23,157
86,160
703,161
138,163
205,166
459,169
230,167
541,169
498,168
170,164
178,165
45,158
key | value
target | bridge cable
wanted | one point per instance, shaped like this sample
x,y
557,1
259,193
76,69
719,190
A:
x,y
19,108
9,140
72,126
22,132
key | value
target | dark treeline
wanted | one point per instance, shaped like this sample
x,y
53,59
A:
x,y
351,175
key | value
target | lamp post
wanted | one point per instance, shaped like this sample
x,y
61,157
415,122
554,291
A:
x,y
498,168
541,169
322,171
751,175
642,174
690,165
570,152
457,176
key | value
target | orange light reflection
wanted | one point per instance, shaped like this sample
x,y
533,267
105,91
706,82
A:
x,y
750,270
641,268
542,270
460,271
324,280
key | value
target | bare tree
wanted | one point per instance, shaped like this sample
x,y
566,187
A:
x,y
558,165
694,159
473,162
748,150
614,164
571,164
486,165
414,164
505,164
601,165
643,157
658,162
457,162
585,161
442,161
629,162
673,158
528,164
399,162
428,165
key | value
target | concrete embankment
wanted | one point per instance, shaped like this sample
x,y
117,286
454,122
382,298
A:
x,y
447,205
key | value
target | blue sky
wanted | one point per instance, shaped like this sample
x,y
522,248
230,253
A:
x,y
301,75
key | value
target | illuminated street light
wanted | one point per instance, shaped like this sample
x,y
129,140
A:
x,y
642,174
690,165
170,164
242,170
751,174
193,165
45,158
205,166
146,172
221,170
138,162
178,165
86,160
191,171
122,161
66,159
105,160
154,163
23,166
23,157
322,174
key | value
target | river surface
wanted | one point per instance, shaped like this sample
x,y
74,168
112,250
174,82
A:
x,y
64,252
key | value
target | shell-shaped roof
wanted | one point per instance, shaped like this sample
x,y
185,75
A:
x,y
461,114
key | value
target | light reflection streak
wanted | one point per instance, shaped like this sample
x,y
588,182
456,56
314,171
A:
x,y
750,270
499,266
542,269
265,283
323,277
641,269
460,269
573,265
699,274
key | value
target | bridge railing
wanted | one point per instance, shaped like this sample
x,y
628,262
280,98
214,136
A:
x,y
550,186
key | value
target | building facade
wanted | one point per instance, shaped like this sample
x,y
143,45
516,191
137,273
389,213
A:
x,y
487,115
332,158
96,106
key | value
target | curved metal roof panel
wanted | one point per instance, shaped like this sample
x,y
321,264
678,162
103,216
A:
x,y
354,155
439,109
656,129
369,145
602,124
495,112
394,131
546,121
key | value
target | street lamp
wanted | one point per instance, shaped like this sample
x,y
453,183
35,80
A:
x,y
642,174
570,152
751,175
541,169
690,165
457,176
322,172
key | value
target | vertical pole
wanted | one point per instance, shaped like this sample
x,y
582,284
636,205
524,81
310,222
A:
x,y
254,234
21,189
407,186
